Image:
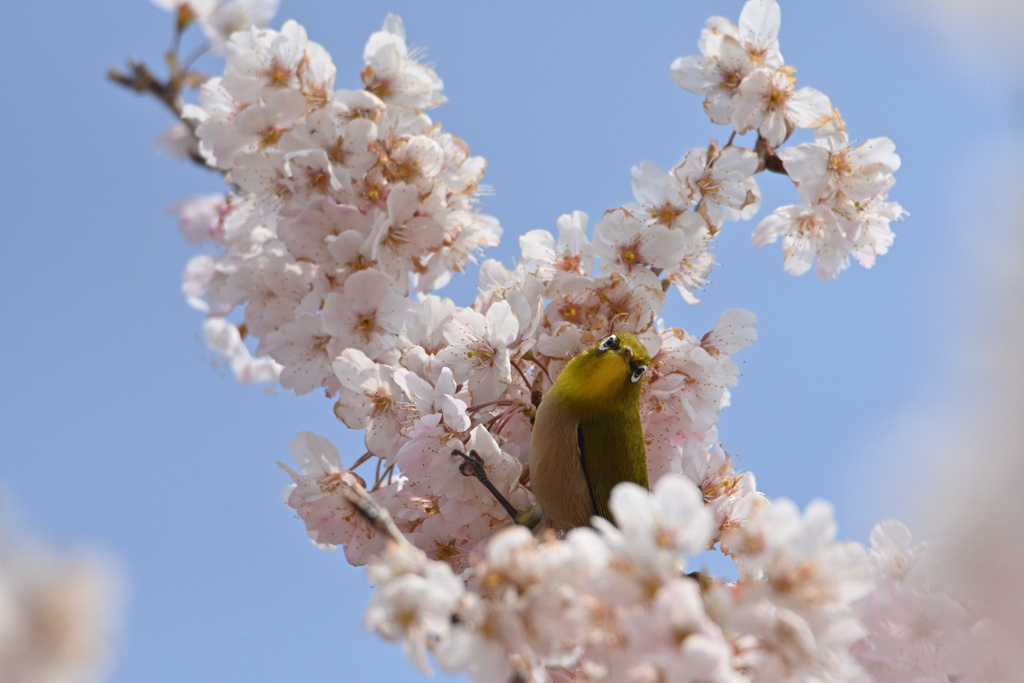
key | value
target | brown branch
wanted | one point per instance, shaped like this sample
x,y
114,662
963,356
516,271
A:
x,y
377,516
385,474
362,458
533,359
521,373
774,164
140,79
488,404
767,159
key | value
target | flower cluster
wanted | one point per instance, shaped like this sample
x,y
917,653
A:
x,y
346,201
845,211
919,630
613,603
342,196
844,188
346,204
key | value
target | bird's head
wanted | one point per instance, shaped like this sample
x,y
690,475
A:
x,y
608,373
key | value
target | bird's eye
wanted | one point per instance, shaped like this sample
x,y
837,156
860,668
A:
x,y
638,373
609,342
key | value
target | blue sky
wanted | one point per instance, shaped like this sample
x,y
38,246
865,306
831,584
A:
x,y
119,433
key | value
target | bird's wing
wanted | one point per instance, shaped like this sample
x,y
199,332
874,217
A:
x,y
581,447
556,469
611,452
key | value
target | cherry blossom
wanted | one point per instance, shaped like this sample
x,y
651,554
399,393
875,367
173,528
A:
x,y
829,165
662,200
729,53
718,178
626,246
316,496
367,389
237,15
416,609
301,348
918,629
571,254
768,102
188,10
691,273
673,516
367,314
57,611
807,232
223,337
201,219
395,75
478,350
733,332
759,32
717,75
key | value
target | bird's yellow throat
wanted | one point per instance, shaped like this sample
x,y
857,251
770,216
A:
x,y
607,375
596,378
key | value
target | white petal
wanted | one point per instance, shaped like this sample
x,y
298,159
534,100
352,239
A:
x,y
502,324
688,73
807,166
315,454
770,229
747,109
808,108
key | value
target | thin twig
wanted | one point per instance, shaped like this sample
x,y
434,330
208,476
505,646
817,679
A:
x,y
193,56
521,373
140,79
488,404
362,458
374,513
502,420
494,418
385,474
175,43
543,368
472,465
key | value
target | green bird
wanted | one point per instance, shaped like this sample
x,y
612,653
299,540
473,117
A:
x,y
587,435
586,438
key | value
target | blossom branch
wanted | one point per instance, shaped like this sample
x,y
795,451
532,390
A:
x,y
140,79
368,508
347,202
767,159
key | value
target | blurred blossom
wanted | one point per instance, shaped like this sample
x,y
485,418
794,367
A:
x,y
977,512
219,19
56,614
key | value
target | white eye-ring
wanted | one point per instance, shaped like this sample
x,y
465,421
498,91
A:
x,y
638,373
609,342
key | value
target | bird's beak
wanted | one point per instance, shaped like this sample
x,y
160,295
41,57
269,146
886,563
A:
x,y
627,355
